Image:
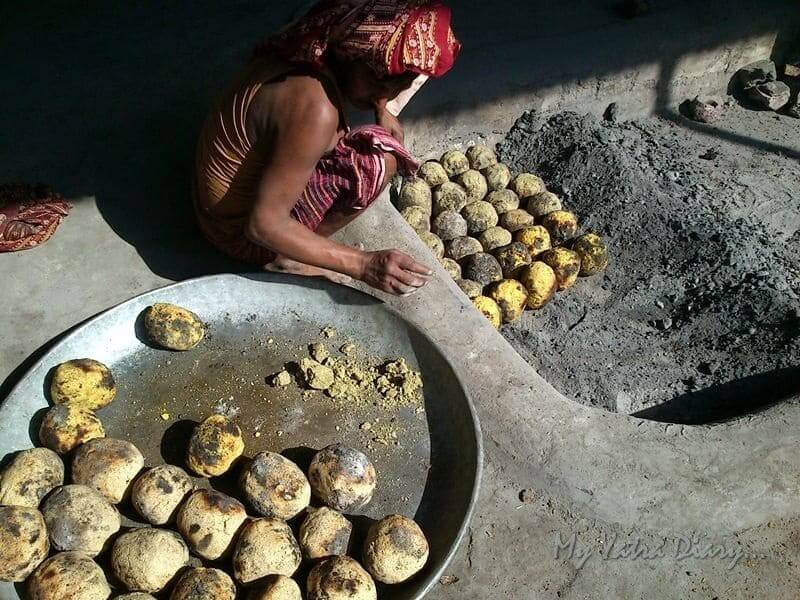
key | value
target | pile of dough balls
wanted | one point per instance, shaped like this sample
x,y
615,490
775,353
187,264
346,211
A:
x,y
506,240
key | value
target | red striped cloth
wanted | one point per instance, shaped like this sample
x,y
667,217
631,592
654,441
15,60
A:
x,y
29,215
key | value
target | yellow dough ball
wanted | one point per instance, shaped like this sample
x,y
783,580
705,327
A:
x,y
432,173
527,184
274,486
23,542
325,532
489,309
495,237
449,196
340,578
474,185
148,559
80,519
107,465
471,289
561,225
565,263
593,253
265,547
449,225
454,162
433,242
30,476
71,575
204,584
463,246
452,267
516,219
497,176
83,382
536,239
479,216
395,549
415,192
503,200
418,218
276,587
214,446
511,296
209,521
342,477
542,203
480,156
158,492
65,427
540,281
173,327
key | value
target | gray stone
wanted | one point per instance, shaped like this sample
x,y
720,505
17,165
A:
x,y
756,73
773,95
703,111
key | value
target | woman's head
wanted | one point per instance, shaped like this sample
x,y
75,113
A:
x,y
362,86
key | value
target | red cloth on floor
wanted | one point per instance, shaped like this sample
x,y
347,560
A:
x,y
29,215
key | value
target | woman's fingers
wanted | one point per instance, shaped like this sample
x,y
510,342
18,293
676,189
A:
x,y
407,263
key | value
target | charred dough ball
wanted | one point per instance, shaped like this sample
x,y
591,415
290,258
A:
x,y
497,176
418,218
158,492
489,309
516,219
449,225
80,519
471,288
503,201
83,382
23,542
30,476
107,465
480,156
340,578
65,427
265,547
512,258
561,225
274,486
395,549
480,216
536,239
276,587
494,237
451,267
209,522
566,264
342,478
433,242
454,162
325,532
173,327
511,296
540,281
204,584
543,203
415,192
69,575
474,185
527,184
462,246
214,446
481,267
147,559
449,196
593,253
433,173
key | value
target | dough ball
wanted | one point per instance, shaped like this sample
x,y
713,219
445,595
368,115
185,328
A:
x,y
209,521
540,281
135,596
516,219
593,253
23,542
415,192
395,549
433,242
512,257
80,519
497,176
489,309
454,162
542,203
265,547
325,532
452,267
480,156
274,486
511,296
147,559
107,465
418,218
527,184
474,185
433,173
561,225
30,476
462,246
449,196
449,225
340,578
83,382
65,427
157,493
276,587
214,446
480,216
566,264
173,327
481,267
503,200
342,478
471,289
536,239
71,575
494,237
204,584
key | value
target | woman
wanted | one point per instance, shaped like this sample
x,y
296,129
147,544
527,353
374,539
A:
x,y
278,168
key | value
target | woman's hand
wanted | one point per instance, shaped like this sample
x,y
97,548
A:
x,y
393,272
388,121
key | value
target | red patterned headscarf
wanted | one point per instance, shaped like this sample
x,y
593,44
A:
x,y
29,215
391,36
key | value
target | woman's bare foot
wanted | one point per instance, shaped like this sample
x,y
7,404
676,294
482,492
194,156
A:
x,y
281,264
